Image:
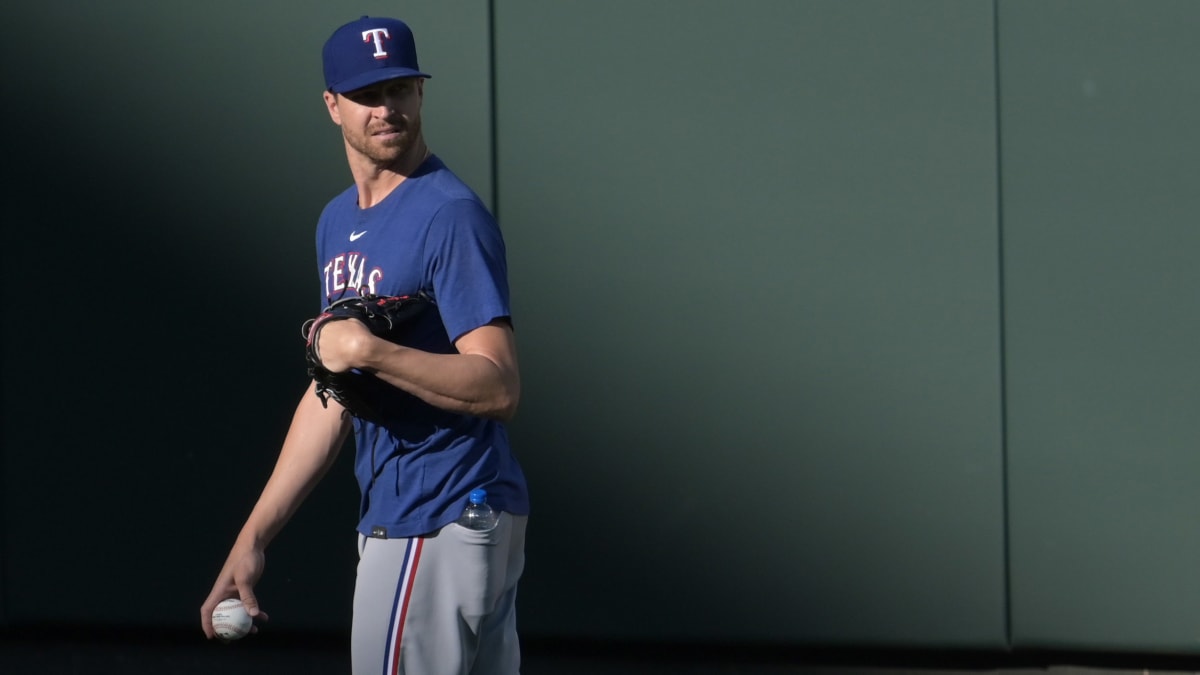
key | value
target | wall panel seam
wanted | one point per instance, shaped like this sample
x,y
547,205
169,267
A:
x,y
493,127
1006,522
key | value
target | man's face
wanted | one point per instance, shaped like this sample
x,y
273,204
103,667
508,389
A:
x,y
381,122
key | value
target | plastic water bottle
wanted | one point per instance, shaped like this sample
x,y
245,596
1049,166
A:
x,y
478,515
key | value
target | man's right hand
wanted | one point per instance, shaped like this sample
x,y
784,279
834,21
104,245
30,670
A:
x,y
237,579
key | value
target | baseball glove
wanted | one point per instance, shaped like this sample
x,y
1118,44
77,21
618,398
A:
x,y
388,317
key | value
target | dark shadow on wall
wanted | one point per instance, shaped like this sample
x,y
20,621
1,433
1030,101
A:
x,y
146,398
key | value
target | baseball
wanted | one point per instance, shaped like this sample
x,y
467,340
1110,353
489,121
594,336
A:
x,y
230,620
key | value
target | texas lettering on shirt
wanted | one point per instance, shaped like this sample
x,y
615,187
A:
x,y
349,271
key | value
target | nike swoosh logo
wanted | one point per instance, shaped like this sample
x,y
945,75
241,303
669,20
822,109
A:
x,y
355,235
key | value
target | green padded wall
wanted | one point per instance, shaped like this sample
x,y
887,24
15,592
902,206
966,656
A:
x,y
762,256
754,258
1101,163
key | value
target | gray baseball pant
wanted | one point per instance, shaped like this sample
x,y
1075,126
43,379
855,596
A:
x,y
442,604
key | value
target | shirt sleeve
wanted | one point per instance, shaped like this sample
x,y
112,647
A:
x,y
466,260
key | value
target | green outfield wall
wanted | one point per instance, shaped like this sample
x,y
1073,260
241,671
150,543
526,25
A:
x,y
842,322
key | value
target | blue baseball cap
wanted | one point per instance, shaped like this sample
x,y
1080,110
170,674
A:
x,y
367,51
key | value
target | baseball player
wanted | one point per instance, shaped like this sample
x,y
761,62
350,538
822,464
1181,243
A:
x,y
431,597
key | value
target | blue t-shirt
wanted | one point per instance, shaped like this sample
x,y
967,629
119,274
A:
x,y
432,234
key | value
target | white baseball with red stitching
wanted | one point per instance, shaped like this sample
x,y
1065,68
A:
x,y
230,620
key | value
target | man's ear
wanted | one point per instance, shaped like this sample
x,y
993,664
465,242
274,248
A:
x,y
331,106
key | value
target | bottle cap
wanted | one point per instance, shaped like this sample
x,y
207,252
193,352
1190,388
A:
x,y
478,496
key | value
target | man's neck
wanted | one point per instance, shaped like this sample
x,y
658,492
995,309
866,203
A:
x,y
376,181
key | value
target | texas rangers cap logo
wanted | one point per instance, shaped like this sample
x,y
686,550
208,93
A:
x,y
377,35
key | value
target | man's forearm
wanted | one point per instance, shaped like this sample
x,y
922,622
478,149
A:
x,y
313,441
463,383
482,379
